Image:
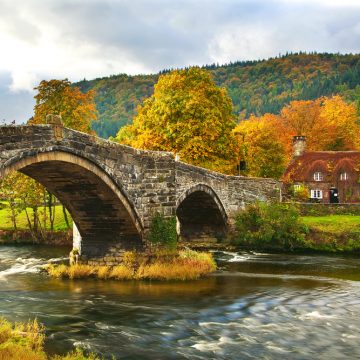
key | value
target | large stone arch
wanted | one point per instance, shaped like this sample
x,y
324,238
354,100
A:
x,y
200,214
102,211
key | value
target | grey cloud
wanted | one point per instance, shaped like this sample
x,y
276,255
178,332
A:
x,y
14,106
160,34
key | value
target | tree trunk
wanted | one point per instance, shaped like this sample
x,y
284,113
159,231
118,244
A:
x,y
66,217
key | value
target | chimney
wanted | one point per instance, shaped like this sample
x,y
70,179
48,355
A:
x,y
299,145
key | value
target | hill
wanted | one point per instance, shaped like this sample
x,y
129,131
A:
x,y
256,87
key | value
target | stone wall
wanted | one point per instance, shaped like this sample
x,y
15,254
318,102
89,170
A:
x,y
234,192
313,209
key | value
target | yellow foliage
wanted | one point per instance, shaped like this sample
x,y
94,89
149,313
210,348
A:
x,y
121,272
58,97
164,265
187,115
25,341
22,341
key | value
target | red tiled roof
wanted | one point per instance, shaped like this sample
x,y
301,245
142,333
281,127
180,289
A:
x,y
302,167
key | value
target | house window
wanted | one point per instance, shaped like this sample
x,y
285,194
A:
x,y
316,194
297,187
318,176
344,176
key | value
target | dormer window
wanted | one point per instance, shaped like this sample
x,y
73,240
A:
x,y
318,176
344,176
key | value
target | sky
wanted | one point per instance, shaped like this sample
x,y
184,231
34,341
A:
x,y
77,39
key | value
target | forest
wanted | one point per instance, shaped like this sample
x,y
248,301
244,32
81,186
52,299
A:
x,y
255,87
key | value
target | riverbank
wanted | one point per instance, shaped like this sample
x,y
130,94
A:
x,y
281,227
333,233
24,237
25,341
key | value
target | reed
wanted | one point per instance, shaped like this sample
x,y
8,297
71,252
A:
x,y
161,265
25,341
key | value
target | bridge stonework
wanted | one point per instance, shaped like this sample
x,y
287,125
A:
x,y
112,191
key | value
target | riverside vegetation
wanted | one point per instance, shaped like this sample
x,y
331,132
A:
x,y
280,227
25,341
161,261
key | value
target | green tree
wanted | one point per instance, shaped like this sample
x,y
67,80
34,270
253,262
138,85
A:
x,y
188,115
8,191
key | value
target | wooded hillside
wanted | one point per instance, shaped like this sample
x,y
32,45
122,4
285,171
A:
x,y
255,87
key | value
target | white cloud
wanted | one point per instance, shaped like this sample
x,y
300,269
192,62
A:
x,y
77,38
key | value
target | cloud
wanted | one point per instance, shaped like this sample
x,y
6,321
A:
x,y
86,39
14,106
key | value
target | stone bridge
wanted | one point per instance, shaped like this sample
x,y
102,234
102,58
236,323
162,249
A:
x,y
112,191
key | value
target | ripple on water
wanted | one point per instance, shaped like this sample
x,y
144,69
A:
x,y
261,306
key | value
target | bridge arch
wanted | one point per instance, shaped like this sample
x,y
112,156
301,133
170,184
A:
x,y
100,208
200,214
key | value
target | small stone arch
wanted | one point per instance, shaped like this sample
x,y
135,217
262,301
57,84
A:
x,y
200,214
102,211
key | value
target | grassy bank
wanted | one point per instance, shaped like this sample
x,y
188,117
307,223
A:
x,y
279,227
181,265
22,223
25,341
335,233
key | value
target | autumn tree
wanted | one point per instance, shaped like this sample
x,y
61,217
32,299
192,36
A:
x,y
188,115
327,123
60,98
261,146
77,110
343,119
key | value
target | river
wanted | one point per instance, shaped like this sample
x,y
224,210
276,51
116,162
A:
x,y
257,306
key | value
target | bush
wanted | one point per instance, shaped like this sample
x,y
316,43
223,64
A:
x,y
163,231
270,226
25,341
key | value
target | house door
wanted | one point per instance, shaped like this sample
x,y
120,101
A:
x,y
334,195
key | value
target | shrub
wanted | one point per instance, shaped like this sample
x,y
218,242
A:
x,y
25,341
163,231
268,226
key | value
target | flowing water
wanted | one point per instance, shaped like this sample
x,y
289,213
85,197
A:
x,y
258,306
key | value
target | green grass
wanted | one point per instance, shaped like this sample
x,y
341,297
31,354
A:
x,y
333,223
25,341
22,224
333,233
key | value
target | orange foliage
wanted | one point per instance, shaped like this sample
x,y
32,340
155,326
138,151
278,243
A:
x,y
266,141
327,123
58,97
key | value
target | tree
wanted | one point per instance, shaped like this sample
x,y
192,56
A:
x,y
31,195
327,123
188,115
343,118
261,146
8,191
77,110
58,97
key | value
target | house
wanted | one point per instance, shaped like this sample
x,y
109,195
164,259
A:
x,y
327,176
